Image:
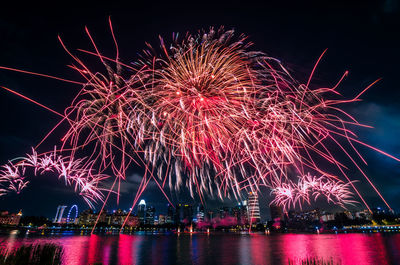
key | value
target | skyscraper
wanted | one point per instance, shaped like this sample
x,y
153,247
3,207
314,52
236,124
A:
x,y
200,213
170,214
150,215
183,213
240,213
142,211
253,208
276,212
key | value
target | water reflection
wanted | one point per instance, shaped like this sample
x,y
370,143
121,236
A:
x,y
144,248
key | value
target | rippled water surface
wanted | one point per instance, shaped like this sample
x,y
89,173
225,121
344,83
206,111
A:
x,y
142,248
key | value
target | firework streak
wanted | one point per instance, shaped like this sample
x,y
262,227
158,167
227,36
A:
x,y
205,112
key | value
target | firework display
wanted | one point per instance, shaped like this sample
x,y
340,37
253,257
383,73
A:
x,y
205,112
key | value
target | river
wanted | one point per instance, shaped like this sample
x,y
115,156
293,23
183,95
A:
x,y
218,248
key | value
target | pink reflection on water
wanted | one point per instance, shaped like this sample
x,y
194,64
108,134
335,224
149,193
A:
x,y
74,249
343,248
128,246
295,246
356,249
259,249
93,249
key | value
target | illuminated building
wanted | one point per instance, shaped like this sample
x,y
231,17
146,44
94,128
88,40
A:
x,y
118,217
183,213
253,208
200,213
161,219
326,217
87,217
59,214
142,211
276,212
240,213
7,218
150,215
170,214
132,221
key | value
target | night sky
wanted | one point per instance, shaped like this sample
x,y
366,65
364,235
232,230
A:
x,y
361,37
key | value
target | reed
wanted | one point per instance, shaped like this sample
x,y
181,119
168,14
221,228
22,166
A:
x,y
45,254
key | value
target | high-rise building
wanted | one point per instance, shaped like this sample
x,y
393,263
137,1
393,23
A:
x,y
150,215
240,213
142,211
253,208
161,219
183,213
59,214
224,212
170,214
276,212
200,213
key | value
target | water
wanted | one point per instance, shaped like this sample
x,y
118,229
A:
x,y
224,248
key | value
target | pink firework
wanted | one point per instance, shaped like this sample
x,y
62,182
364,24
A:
x,y
208,113
75,172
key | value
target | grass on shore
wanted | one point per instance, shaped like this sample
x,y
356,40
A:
x,y
46,254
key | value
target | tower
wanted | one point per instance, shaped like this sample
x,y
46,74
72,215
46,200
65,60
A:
x,y
253,208
142,211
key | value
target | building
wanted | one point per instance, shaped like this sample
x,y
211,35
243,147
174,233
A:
x,y
142,211
240,213
117,218
364,215
132,221
253,208
162,219
224,212
12,219
326,217
276,212
200,213
87,218
59,214
170,214
183,213
150,215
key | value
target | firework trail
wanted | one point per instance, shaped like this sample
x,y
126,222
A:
x,y
205,112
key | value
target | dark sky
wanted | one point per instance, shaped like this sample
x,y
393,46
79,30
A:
x,y
362,37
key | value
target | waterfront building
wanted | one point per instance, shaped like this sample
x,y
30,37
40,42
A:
x,y
161,219
59,214
132,221
326,217
142,211
200,213
12,219
150,215
240,213
365,215
183,213
118,217
170,214
253,208
276,212
87,218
